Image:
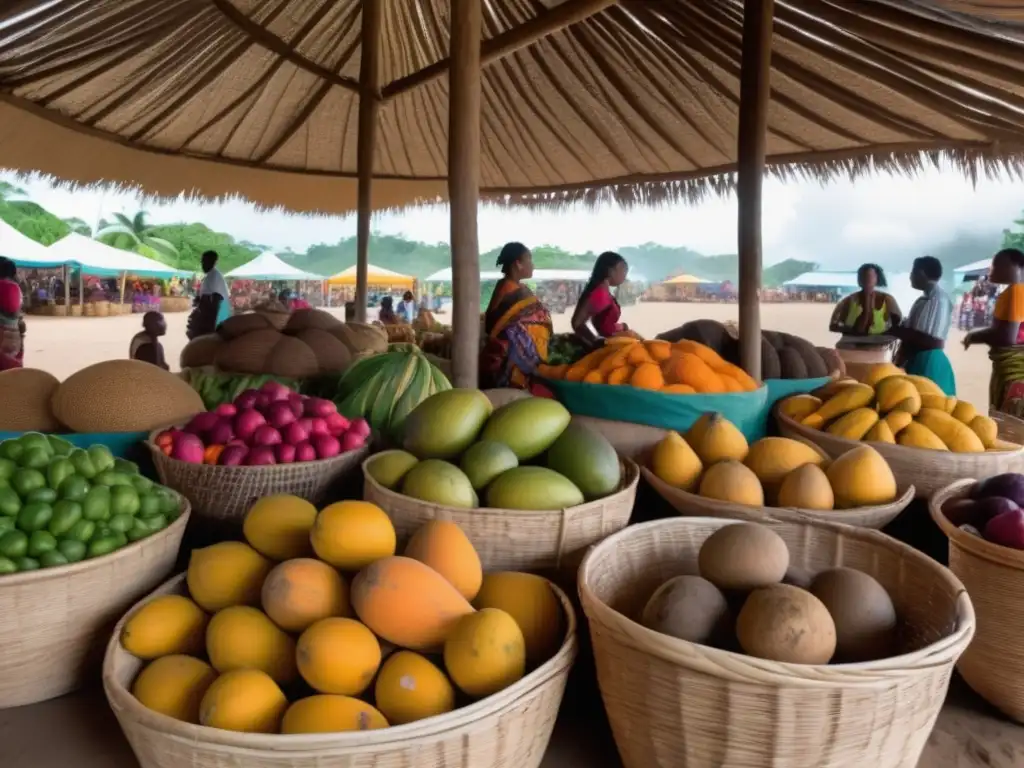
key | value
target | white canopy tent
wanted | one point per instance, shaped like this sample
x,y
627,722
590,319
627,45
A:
x,y
839,280
23,250
972,271
97,258
268,266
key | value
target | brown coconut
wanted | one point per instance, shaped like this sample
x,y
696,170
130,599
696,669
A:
x,y
787,624
201,351
124,396
240,325
305,319
249,353
863,613
361,337
292,358
331,354
25,395
743,556
690,608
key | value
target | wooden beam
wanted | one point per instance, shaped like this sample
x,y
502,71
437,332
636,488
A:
x,y
369,104
561,16
464,186
755,77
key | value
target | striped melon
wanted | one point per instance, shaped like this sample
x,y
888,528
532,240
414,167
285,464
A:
x,y
25,394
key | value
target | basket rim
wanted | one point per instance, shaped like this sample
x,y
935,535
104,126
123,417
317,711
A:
x,y
628,484
159,455
73,569
122,701
995,553
900,451
793,514
741,667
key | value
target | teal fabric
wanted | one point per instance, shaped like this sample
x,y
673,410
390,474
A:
x,y
123,445
747,410
933,364
224,311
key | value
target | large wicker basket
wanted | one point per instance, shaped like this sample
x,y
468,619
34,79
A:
x,y
222,495
510,729
54,622
928,471
993,665
674,703
515,539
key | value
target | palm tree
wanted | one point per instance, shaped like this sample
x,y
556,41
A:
x,y
136,234
78,226
10,193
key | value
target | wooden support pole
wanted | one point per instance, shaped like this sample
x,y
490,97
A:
x,y
464,186
753,125
369,104
67,290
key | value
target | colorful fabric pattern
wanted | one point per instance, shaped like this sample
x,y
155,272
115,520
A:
x,y
604,311
518,330
1010,308
11,345
1006,387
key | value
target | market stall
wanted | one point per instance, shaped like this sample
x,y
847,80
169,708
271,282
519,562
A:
x,y
342,286
264,277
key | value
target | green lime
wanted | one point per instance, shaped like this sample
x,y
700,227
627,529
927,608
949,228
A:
x,y
11,450
31,440
102,545
83,464
24,481
96,504
7,468
139,530
10,502
14,544
27,564
59,445
52,559
82,531
121,523
65,514
7,524
72,549
35,458
142,484
125,466
110,477
44,495
124,500
58,470
41,542
74,488
149,505
7,566
155,522
170,504
101,457
34,516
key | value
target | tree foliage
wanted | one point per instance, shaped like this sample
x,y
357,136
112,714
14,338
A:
x,y
1014,238
190,240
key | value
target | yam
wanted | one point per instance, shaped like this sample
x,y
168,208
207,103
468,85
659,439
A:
x,y
771,368
249,353
710,333
240,325
292,358
360,337
833,362
813,363
331,354
25,394
776,339
201,351
124,396
276,319
792,364
306,319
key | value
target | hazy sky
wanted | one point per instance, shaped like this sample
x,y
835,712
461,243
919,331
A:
x,y
839,225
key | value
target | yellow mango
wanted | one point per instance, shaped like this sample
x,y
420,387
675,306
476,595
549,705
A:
x,y
855,424
880,433
986,429
925,385
916,435
676,463
964,412
897,392
956,435
847,399
897,420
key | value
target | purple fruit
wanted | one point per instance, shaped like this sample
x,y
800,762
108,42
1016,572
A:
x,y
284,453
297,403
202,423
1009,485
246,399
221,434
228,410
187,447
295,433
261,455
351,441
1007,529
318,426
265,435
247,422
233,455
960,511
327,446
986,509
318,406
275,390
305,451
279,414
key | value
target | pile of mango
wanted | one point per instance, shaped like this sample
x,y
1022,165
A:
x,y
891,406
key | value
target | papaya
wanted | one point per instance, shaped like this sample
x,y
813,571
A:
x,y
338,656
331,714
443,546
351,534
300,592
410,688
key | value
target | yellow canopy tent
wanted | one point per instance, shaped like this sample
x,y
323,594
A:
x,y
377,276
684,280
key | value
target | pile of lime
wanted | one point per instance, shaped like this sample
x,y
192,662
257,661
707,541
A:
x,y
60,504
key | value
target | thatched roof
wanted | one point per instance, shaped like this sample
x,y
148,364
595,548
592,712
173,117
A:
x,y
637,103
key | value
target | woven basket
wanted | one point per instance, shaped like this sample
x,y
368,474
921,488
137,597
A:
x,y
515,539
928,471
76,310
679,704
101,308
54,622
222,495
993,665
692,505
510,729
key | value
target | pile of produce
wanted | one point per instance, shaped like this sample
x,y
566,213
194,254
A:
x,y
683,367
306,343
398,333
60,504
112,396
713,460
460,452
269,425
217,388
783,355
315,625
384,389
745,600
890,406
993,509
437,343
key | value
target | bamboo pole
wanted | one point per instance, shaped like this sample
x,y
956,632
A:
x,y
67,290
464,186
369,104
755,80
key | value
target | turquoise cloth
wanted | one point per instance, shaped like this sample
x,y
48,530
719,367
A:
x,y
121,444
747,410
933,364
224,311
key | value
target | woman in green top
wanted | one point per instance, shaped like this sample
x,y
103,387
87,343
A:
x,y
868,312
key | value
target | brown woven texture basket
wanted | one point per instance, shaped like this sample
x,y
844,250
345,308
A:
x,y
516,539
223,495
993,665
674,703
510,729
54,622
692,505
928,471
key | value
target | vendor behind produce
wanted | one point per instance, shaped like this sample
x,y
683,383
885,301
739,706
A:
x,y
923,334
145,345
12,324
212,305
596,304
850,317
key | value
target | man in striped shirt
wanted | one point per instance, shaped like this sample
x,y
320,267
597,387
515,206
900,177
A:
x,y
923,334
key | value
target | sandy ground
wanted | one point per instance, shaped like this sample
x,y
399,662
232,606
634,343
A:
x,y
63,345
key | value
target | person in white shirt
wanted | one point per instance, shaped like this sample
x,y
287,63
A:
x,y
213,305
407,309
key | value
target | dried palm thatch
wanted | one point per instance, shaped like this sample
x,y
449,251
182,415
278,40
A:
x,y
636,102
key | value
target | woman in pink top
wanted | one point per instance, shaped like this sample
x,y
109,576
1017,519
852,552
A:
x,y
596,305
12,326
